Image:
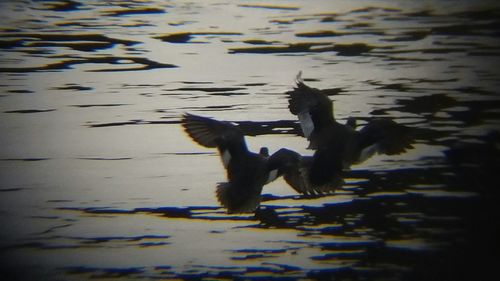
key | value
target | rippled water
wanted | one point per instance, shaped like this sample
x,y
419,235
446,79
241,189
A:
x,y
99,181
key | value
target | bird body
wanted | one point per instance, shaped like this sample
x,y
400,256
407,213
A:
x,y
338,146
246,177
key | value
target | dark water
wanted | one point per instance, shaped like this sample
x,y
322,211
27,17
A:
x,y
98,180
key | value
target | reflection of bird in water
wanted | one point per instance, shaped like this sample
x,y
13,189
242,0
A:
x,y
247,172
337,146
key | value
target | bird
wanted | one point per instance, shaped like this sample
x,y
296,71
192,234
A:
x,y
247,172
338,146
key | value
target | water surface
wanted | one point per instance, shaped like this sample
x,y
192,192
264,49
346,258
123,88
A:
x,y
98,180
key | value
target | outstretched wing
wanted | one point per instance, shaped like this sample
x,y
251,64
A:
x,y
383,136
296,170
212,133
313,108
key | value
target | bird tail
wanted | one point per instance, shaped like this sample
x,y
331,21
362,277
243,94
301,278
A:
x,y
236,201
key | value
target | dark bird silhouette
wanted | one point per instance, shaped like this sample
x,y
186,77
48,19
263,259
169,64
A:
x,y
337,146
247,172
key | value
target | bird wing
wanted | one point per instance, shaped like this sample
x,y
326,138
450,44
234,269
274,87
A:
x,y
313,108
325,171
208,132
383,136
296,170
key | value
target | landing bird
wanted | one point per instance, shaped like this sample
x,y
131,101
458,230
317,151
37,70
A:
x,y
337,146
247,172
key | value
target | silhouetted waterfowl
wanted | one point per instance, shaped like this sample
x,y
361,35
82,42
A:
x,y
247,172
338,146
